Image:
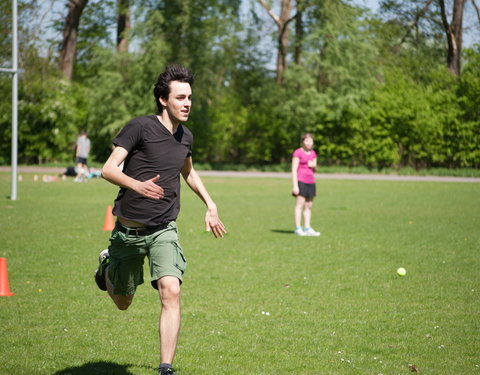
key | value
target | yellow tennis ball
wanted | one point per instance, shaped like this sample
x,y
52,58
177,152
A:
x,y
402,271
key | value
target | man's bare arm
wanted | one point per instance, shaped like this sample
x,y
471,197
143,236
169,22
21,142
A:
x,y
193,180
113,174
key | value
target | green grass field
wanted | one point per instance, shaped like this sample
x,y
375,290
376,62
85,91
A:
x,y
335,303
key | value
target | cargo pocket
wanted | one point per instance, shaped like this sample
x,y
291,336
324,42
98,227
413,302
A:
x,y
178,258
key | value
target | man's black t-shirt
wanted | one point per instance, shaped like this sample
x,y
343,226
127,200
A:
x,y
152,150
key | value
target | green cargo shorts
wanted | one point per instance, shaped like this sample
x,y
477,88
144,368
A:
x,y
127,254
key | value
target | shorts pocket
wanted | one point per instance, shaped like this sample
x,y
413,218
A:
x,y
179,260
114,236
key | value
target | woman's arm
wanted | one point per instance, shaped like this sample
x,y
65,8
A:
x,y
295,163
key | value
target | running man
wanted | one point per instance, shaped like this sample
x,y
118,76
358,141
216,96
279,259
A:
x,y
155,150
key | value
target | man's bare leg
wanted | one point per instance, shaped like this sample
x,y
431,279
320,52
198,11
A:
x,y
169,325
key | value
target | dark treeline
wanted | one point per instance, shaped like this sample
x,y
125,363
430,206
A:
x,y
393,89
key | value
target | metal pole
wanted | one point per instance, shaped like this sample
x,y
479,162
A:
x,y
13,195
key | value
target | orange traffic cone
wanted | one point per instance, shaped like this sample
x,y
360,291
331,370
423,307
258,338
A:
x,y
109,222
4,288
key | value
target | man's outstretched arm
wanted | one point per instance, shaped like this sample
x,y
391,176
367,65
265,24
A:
x,y
193,180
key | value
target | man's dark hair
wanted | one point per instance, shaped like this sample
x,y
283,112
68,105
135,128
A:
x,y
173,72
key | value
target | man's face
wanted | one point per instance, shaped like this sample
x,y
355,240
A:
x,y
179,101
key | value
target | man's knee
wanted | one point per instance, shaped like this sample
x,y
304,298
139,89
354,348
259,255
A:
x,y
169,288
171,291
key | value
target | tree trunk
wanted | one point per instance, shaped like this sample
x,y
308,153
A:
x,y
298,36
69,44
123,24
286,8
282,22
453,33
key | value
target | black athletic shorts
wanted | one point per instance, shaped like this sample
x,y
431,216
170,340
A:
x,y
307,190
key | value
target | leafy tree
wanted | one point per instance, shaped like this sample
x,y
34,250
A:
x,y
430,19
341,58
464,140
453,33
94,35
202,36
68,47
282,20
123,25
117,93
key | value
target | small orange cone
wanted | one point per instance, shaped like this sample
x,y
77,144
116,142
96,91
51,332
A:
x,y
109,222
4,288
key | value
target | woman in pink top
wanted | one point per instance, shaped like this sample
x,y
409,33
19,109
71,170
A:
x,y
304,162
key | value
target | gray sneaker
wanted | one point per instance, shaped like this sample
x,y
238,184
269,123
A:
x,y
103,262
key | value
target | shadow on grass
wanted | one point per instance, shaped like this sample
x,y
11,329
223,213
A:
x,y
98,368
282,231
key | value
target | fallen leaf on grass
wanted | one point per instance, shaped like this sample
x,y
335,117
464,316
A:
x,y
413,368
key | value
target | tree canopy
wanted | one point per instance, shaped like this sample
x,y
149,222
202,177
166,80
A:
x,y
388,89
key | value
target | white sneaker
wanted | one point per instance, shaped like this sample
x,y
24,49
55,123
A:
x,y
311,232
299,232
103,254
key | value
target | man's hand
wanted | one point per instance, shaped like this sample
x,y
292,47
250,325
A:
x,y
213,223
150,189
